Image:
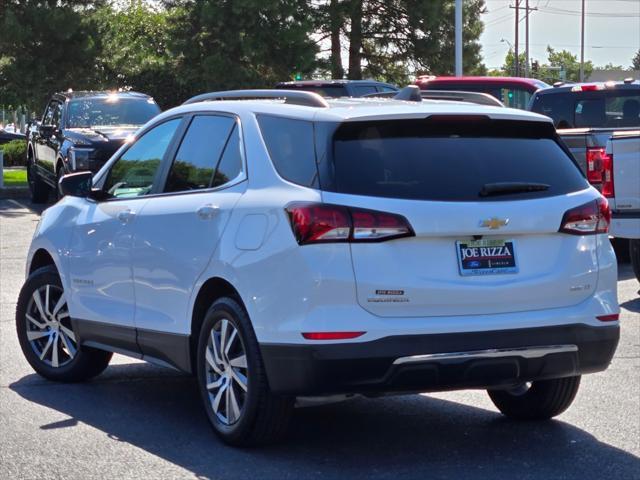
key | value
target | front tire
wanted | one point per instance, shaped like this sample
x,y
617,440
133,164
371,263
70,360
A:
x,y
46,335
232,380
539,400
634,253
38,189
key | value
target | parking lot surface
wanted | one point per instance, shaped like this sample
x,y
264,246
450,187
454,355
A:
x,y
142,421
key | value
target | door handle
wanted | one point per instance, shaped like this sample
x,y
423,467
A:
x,y
125,216
207,212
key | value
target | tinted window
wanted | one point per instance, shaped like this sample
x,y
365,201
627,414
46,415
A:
x,y
52,115
382,88
110,111
361,90
596,109
325,91
290,145
199,153
446,161
230,165
510,96
134,172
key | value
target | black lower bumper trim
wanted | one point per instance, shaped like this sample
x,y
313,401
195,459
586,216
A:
x,y
368,367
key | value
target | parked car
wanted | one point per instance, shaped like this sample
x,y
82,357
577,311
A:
x,y
80,131
514,92
312,247
339,88
622,184
587,114
7,136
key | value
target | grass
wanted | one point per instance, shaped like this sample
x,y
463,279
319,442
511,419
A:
x,y
15,178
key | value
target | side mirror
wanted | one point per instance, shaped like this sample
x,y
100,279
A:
x,y
46,130
76,184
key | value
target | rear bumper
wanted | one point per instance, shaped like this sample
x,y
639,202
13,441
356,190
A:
x,y
440,361
625,224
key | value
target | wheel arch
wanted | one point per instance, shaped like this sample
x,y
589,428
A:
x,y
211,290
41,258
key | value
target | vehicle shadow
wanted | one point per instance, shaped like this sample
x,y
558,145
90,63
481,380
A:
x,y
409,437
10,208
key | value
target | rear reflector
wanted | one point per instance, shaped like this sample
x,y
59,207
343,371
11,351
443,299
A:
x,y
323,223
609,318
588,219
331,335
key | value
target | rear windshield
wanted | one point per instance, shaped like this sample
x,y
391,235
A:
x,y
511,96
110,111
593,109
445,160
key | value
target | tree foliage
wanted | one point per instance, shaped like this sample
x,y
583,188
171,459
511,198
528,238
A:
x,y
635,62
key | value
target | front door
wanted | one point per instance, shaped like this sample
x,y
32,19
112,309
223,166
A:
x,y
100,248
177,232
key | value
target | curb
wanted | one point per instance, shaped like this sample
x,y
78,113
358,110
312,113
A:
x,y
14,192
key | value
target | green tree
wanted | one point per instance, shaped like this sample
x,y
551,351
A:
x,y
45,46
635,62
568,62
509,66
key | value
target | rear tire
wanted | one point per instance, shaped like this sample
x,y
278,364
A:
x,y
38,189
541,400
233,382
634,253
46,334
59,175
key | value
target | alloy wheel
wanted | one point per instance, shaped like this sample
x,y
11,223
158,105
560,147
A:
x,y
49,329
226,372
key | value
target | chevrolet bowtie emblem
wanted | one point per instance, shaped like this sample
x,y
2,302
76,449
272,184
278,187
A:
x,y
494,223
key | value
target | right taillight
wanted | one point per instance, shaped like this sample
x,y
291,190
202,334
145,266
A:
x,y
588,219
600,170
326,223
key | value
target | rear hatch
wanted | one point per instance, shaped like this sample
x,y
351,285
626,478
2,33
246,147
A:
x,y
485,200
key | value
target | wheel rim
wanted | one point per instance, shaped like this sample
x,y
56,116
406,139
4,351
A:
x,y
226,372
49,329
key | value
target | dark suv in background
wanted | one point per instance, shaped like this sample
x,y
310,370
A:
x,y
339,88
80,131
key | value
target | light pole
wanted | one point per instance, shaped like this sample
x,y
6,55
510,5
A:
x,y
458,38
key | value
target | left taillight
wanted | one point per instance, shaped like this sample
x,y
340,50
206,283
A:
x,y
600,170
588,219
325,223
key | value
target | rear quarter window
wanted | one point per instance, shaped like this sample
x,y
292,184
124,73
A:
x,y
290,144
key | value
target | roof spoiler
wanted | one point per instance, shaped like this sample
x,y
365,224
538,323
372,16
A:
x,y
291,97
413,94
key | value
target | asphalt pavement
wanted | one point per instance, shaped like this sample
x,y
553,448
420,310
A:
x,y
141,421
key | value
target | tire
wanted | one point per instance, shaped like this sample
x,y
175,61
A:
x,y
59,174
634,253
541,400
259,417
38,189
46,334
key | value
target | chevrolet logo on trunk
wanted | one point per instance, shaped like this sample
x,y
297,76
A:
x,y
494,223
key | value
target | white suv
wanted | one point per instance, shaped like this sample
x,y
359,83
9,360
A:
x,y
293,246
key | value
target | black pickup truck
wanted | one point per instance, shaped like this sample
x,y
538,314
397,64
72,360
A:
x,y
80,131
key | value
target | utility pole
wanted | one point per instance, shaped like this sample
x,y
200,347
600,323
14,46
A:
x,y
458,38
517,51
582,46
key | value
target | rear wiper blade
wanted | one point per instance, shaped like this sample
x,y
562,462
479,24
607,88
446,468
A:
x,y
505,188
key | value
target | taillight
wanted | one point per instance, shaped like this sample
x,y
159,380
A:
x,y
588,219
323,223
600,170
614,317
332,335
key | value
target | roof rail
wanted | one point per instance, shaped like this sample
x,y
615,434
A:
x,y
292,97
452,95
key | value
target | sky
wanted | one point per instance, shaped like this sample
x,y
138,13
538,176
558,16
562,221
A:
x,y
612,30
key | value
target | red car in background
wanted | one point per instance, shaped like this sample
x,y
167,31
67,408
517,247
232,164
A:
x,y
514,92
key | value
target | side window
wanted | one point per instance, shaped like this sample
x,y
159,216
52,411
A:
x,y
291,148
360,90
57,113
230,165
385,89
134,172
199,153
47,118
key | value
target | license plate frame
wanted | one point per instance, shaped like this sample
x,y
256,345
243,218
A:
x,y
488,258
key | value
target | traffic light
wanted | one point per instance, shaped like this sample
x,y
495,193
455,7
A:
x,y
297,77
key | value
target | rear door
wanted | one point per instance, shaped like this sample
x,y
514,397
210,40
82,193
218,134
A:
x,y
432,172
178,230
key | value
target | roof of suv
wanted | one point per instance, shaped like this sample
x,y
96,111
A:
x,y
528,82
358,109
70,95
331,82
591,86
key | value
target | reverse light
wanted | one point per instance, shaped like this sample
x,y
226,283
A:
x,y
614,317
324,223
332,335
600,170
588,219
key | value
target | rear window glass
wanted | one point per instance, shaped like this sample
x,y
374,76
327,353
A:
x,y
510,95
443,161
291,148
599,109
